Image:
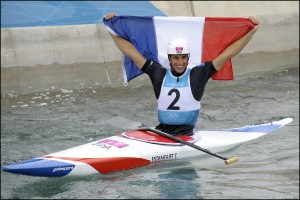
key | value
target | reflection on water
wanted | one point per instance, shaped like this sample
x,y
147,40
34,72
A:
x,y
45,121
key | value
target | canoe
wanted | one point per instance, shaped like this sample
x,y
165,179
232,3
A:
x,y
135,149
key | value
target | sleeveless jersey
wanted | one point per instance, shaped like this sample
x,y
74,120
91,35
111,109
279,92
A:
x,y
176,104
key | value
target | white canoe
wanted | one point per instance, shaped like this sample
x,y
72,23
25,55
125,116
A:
x,y
118,152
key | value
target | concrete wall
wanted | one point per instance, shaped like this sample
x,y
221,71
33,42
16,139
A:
x,y
226,8
279,29
56,44
88,49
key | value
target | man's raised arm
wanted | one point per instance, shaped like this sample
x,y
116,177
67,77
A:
x,y
236,47
127,47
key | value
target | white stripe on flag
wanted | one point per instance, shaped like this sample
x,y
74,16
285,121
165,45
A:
x,y
187,28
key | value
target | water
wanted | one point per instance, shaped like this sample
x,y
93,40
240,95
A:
x,y
49,120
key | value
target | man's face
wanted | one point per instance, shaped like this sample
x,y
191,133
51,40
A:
x,y
179,62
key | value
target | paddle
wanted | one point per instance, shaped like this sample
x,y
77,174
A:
x,y
121,122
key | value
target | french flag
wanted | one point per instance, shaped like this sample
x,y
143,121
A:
x,y
207,38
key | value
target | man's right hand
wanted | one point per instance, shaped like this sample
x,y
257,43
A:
x,y
109,16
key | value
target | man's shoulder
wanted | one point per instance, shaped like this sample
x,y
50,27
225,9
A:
x,y
203,66
152,66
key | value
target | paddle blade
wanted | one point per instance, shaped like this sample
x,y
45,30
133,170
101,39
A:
x,y
123,123
231,160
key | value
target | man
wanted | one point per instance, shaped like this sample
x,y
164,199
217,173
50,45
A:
x,y
178,89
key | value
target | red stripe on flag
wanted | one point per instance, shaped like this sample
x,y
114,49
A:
x,y
218,34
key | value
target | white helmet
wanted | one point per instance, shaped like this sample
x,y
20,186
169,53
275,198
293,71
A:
x,y
178,46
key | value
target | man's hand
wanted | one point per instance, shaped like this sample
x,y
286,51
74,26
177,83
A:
x,y
109,16
255,22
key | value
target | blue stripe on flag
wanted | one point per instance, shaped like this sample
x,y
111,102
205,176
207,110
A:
x,y
141,32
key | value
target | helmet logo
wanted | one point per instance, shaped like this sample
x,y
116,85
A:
x,y
178,46
179,49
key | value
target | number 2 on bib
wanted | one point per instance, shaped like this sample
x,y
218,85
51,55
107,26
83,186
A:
x,y
177,96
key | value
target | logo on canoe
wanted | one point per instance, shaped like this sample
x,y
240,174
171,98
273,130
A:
x,y
107,144
57,169
171,156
